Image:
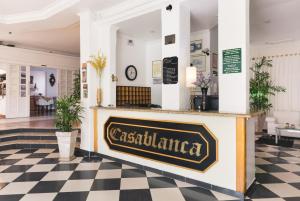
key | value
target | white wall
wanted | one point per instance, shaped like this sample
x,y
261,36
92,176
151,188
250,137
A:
x,y
2,98
39,79
131,55
153,53
51,91
285,72
203,35
13,58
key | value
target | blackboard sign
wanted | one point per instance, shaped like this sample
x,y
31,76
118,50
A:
x,y
187,145
232,61
170,70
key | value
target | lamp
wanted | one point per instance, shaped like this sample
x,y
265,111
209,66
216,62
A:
x,y
191,76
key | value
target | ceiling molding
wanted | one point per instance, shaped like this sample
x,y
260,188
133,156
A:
x,y
42,14
127,10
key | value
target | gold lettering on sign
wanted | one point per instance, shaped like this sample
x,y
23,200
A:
x,y
154,141
196,149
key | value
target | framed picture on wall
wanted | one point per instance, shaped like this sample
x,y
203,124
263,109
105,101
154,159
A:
x,y
157,69
214,60
84,73
199,61
196,46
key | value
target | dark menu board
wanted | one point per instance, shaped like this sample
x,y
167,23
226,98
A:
x,y
170,70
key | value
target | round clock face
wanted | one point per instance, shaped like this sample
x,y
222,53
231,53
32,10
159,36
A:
x,y
131,72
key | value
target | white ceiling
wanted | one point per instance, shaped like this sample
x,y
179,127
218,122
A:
x,y
274,21
148,27
9,7
271,21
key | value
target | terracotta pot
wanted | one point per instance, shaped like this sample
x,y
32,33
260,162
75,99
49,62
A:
x,y
261,119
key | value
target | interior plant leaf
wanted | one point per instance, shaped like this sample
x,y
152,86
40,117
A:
x,y
262,87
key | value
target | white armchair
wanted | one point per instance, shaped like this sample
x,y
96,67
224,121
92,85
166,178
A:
x,y
280,118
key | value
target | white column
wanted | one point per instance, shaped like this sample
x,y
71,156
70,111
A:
x,y
107,43
176,21
234,33
86,29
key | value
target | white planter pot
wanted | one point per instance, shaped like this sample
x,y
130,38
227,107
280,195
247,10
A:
x,y
66,144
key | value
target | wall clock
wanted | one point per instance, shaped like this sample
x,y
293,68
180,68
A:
x,y
131,72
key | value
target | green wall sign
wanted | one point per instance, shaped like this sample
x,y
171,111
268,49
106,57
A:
x,y
232,61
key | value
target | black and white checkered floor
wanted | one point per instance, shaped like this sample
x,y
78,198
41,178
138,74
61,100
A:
x,y
38,175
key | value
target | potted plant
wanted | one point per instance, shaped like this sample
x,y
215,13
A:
x,y
203,82
68,113
99,63
261,88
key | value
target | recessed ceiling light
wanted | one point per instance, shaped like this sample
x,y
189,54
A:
x,y
268,21
152,31
10,33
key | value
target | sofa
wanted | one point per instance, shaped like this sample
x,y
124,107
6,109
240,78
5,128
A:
x,y
280,118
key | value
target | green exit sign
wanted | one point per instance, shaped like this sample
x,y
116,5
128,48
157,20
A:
x,y
232,61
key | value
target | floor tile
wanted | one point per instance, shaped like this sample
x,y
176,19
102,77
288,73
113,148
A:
x,y
47,187
110,165
37,155
31,176
269,199
39,197
11,197
8,161
106,184
91,160
71,196
136,195
104,195
271,168
292,159
152,174
294,153
283,190
17,188
108,174
9,177
287,177
57,176
263,155
11,151
292,199
77,185
223,197
17,156
266,178
134,183
183,184
290,167
276,160
53,155
296,185
124,167
65,167
260,161
258,170
173,194
2,156
28,161
89,174
88,166
259,191
26,151
17,168
131,173
41,168
161,182
44,151
49,161
194,193
2,185
76,160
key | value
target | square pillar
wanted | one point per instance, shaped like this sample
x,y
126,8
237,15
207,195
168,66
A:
x,y
176,21
233,56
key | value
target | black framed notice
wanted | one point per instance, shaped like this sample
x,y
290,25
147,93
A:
x,y
187,145
170,70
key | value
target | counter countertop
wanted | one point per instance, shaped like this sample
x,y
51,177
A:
x,y
192,112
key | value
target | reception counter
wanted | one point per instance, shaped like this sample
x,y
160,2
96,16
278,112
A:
x,y
215,149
